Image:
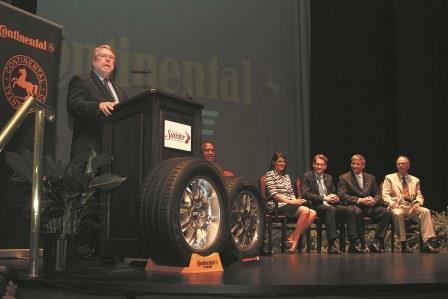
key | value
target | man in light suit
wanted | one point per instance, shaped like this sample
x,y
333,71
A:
x,y
91,98
402,192
318,188
359,190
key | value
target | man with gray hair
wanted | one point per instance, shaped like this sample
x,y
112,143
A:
x,y
91,98
402,192
359,190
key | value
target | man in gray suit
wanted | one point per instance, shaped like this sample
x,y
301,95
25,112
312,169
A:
x,y
402,192
359,190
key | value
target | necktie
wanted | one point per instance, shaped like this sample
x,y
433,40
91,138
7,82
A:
x,y
106,83
359,179
322,189
404,185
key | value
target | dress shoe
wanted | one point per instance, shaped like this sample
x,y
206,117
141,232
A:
x,y
374,247
427,248
333,250
289,247
405,248
354,248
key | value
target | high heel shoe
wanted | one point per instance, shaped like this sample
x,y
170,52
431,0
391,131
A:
x,y
290,247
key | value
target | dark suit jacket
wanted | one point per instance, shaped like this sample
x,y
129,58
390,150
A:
x,y
349,190
310,190
85,92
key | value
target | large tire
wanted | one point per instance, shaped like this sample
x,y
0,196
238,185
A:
x,y
247,218
184,210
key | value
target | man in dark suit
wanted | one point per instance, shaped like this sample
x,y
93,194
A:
x,y
359,190
91,98
318,188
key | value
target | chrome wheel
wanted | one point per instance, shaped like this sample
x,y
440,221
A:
x,y
245,221
200,214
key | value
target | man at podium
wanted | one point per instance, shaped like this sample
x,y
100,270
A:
x,y
92,97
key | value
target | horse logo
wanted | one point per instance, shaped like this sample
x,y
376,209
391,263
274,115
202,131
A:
x,y
23,77
30,88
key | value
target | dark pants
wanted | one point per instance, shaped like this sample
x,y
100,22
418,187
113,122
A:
x,y
334,213
378,214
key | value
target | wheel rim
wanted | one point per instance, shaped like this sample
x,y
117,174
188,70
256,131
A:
x,y
245,220
200,214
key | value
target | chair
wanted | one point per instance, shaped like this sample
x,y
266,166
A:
x,y
408,223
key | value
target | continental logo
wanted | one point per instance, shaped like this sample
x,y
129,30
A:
x,y
23,77
16,35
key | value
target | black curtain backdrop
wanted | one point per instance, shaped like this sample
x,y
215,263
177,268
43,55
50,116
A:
x,y
379,74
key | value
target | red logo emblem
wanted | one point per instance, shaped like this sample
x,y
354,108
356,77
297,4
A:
x,y
23,77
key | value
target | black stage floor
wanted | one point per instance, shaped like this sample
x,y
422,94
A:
x,y
306,274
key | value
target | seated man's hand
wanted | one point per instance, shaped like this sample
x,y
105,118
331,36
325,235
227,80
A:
x,y
332,198
416,206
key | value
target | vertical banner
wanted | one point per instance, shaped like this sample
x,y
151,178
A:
x,y
29,66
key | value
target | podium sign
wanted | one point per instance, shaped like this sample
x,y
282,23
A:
x,y
177,136
29,66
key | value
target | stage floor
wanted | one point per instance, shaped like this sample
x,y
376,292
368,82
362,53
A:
x,y
304,274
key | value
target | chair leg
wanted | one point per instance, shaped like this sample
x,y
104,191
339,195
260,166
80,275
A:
x,y
342,237
392,237
308,240
269,224
319,236
284,228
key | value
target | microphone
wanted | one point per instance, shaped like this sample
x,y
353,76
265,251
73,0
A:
x,y
141,71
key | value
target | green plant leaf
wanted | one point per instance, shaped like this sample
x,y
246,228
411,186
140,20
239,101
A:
x,y
106,181
19,165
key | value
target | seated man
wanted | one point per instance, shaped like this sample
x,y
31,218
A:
x,y
359,191
209,154
318,187
402,192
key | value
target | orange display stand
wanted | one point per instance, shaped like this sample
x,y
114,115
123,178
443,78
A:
x,y
198,264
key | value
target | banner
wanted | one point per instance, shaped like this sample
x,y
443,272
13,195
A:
x,y
29,66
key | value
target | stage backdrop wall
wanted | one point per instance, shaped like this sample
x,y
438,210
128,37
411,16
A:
x,y
379,87
29,63
246,61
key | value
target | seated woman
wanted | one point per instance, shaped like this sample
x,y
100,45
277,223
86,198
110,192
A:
x,y
279,188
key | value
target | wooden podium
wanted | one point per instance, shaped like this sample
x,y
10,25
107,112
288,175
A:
x,y
135,136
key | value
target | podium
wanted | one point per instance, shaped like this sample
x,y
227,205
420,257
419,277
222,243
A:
x,y
138,136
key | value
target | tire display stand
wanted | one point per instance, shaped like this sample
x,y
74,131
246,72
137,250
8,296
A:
x,y
198,264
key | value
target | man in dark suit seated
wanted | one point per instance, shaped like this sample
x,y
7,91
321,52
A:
x,y
359,190
318,188
209,154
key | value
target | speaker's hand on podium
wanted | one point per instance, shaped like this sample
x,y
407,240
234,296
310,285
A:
x,y
107,107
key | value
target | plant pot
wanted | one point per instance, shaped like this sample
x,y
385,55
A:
x,y
59,252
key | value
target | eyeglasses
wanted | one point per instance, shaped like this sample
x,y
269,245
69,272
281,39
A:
x,y
104,56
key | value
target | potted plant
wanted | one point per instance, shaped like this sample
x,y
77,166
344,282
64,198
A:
x,y
67,193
